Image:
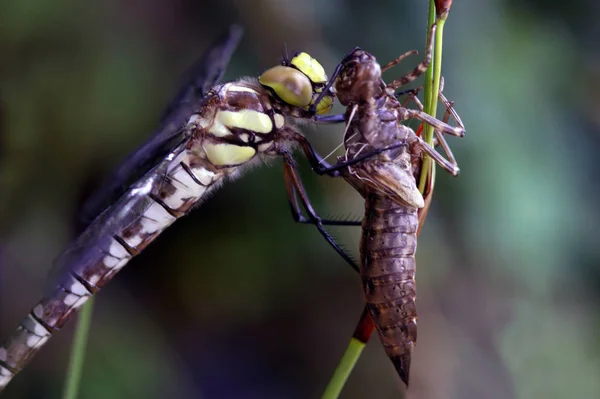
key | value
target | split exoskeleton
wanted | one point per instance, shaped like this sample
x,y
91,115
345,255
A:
x,y
382,161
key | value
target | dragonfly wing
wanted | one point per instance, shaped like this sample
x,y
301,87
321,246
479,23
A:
x,y
390,179
201,77
206,72
92,244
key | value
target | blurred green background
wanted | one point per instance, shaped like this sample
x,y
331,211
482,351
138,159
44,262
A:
x,y
237,301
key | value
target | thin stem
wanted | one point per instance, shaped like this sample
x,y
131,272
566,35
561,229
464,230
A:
x,y
344,368
432,89
78,351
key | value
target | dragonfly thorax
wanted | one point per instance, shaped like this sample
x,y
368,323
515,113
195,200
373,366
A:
x,y
237,123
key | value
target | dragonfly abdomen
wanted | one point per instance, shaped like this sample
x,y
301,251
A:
x,y
388,247
186,180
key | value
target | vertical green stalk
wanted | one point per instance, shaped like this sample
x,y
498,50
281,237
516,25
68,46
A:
x,y
344,369
78,351
429,72
432,87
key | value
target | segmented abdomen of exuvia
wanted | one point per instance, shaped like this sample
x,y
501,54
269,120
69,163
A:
x,y
387,250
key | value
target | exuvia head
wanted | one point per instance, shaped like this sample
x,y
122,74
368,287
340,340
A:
x,y
359,78
298,82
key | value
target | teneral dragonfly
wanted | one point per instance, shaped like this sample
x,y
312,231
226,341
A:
x,y
210,132
382,161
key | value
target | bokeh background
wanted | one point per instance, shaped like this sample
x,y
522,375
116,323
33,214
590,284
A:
x,y
238,301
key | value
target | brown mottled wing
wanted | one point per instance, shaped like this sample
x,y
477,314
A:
x,y
393,179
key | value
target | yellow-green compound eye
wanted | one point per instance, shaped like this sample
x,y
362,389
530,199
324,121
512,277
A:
x,y
289,84
310,67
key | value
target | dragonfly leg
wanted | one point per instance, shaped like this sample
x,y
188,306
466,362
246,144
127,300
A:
x,y
452,168
395,62
450,112
419,69
321,167
295,189
317,162
406,113
337,118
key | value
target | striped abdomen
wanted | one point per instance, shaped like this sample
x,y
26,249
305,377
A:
x,y
234,127
387,250
184,181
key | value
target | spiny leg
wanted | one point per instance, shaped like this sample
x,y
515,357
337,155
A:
x,y
439,127
443,127
321,167
295,189
430,181
336,118
395,62
450,111
419,69
436,156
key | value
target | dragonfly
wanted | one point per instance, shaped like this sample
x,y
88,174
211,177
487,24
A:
x,y
210,133
382,161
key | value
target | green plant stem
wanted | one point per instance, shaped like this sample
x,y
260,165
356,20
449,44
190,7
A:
x,y
432,90
429,73
343,370
78,351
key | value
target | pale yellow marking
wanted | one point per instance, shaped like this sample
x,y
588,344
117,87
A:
x,y
218,129
120,265
38,334
33,341
204,176
245,137
78,289
185,181
195,118
155,218
33,326
185,189
279,121
133,241
264,146
95,278
110,261
228,154
5,376
117,250
248,119
70,299
80,302
233,87
201,122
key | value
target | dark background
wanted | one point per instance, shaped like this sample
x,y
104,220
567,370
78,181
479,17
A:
x,y
237,301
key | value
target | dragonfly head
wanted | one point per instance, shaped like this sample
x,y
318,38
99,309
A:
x,y
298,82
359,78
